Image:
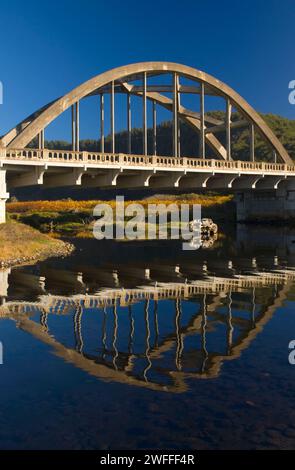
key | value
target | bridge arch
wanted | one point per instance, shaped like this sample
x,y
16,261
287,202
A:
x,y
119,78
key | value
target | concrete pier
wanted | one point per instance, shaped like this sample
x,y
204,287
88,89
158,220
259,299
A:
x,y
266,205
3,196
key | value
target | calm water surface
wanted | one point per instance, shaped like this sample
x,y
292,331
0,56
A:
x,y
143,345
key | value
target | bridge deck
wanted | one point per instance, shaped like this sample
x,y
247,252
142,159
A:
x,y
109,160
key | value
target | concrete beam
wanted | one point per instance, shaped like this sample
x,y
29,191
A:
x,y
221,181
138,180
170,180
202,145
195,181
101,112
71,178
154,128
101,180
30,178
246,182
144,116
269,182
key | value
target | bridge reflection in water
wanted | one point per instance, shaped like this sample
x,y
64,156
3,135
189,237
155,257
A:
x,y
156,336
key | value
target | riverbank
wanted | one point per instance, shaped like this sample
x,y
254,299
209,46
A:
x,y
75,218
20,244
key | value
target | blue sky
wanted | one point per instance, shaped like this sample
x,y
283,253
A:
x,y
49,47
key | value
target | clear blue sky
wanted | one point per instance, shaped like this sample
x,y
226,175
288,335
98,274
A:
x,y
49,47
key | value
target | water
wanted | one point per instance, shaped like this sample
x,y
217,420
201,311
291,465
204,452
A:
x,y
141,345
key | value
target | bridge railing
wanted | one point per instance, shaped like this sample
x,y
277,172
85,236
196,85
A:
x,y
141,160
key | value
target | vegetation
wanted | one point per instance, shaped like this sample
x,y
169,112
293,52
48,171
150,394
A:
x,y
68,217
20,243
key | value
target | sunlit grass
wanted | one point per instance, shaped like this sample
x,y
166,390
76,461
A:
x,y
70,205
21,241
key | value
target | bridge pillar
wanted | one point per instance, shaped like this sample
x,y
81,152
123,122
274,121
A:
x,y
4,195
267,204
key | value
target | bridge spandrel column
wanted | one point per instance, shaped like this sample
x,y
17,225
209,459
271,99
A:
x,y
4,195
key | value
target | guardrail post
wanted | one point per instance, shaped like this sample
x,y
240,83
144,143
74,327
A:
x,y
44,154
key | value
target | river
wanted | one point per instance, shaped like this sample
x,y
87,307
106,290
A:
x,y
136,345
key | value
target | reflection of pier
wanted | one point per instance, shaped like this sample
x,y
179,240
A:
x,y
157,336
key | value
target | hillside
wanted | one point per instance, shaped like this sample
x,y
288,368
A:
x,y
283,128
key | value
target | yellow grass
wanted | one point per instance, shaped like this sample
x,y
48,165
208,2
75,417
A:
x,y
19,241
69,205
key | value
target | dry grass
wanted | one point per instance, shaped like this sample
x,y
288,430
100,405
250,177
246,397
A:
x,y
21,241
69,205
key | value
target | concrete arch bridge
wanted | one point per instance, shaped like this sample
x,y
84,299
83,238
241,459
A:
x,y
157,85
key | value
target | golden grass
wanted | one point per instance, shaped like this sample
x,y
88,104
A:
x,y
69,205
19,241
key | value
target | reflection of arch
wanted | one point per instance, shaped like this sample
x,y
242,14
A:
x,y
199,323
22,135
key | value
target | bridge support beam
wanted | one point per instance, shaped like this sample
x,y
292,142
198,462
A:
x,y
129,123
30,178
166,181
269,182
190,181
175,108
101,110
72,178
221,181
75,127
144,117
202,147
4,195
246,181
268,204
112,116
101,180
228,128
138,180
154,128
41,139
